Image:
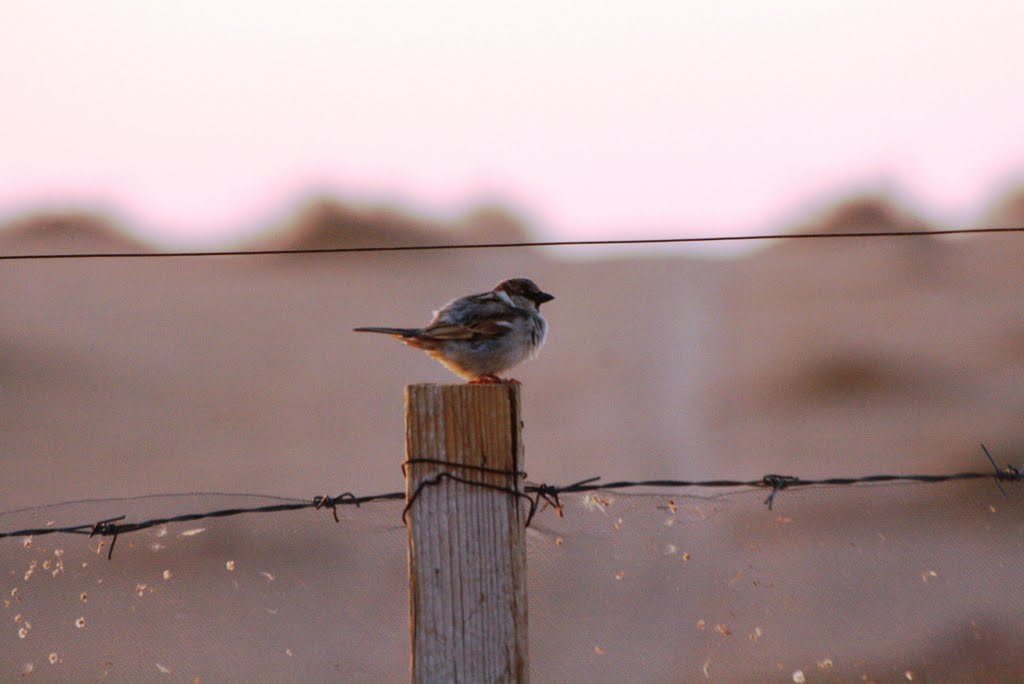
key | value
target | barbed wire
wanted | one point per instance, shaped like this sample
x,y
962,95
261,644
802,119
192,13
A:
x,y
507,245
534,494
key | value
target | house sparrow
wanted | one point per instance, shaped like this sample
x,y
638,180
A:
x,y
478,336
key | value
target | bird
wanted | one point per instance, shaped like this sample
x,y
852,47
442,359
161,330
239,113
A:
x,y
481,335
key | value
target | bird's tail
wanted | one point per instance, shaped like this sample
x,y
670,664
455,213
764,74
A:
x,y
400,332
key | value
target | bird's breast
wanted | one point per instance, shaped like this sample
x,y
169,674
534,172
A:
x,y
538,333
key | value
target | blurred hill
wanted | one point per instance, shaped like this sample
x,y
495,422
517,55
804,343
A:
x,y
65,232
1007,210
327,223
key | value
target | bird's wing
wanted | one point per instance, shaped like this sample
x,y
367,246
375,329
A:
x,y
474,317
474,331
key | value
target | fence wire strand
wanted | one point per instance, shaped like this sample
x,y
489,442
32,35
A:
x,y
534,494
508,245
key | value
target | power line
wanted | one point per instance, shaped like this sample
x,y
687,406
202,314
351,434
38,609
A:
x,y
508,245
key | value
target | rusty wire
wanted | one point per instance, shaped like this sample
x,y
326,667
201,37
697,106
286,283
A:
x,y
533,494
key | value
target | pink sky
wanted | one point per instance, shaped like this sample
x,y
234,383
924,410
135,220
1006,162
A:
x,y
197,122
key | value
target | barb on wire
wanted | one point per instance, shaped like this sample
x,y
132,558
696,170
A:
x,y
549,495
109,528
777,483
534,494
1008,473
332,503
103,525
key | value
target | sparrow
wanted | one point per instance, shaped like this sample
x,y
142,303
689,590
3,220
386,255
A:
x,y
480,335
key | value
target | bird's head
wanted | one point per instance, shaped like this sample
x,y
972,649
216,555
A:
x,y
525,289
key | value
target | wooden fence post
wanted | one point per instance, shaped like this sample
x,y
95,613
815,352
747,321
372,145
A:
x,y
467,543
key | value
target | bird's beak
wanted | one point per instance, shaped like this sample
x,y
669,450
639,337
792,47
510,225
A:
x,y
544,297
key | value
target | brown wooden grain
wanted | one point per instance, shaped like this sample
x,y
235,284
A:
x,y
467,553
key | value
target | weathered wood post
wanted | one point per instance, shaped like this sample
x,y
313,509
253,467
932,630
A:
x,y
467,542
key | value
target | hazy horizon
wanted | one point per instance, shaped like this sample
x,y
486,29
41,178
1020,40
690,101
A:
x,y
195,125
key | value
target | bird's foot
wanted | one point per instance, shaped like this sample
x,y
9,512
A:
x,y
491,379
